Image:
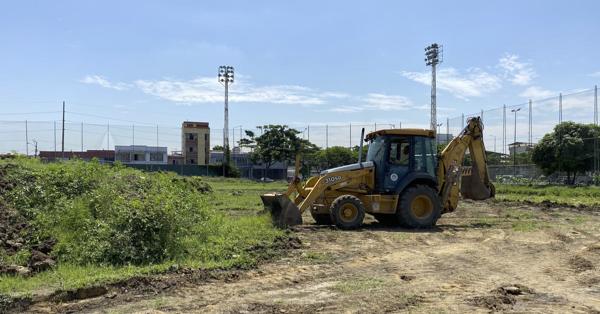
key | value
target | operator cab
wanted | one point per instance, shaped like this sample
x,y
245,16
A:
x,y
402,155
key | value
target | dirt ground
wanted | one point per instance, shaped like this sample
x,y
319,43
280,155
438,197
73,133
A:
x,y
485,257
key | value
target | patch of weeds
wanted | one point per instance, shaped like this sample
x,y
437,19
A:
x,y
236,193
318,258
559,214
470,251
528,225
485,222
158,302
579,220
20,258
518,214
524,288
403,236
359,285
278,302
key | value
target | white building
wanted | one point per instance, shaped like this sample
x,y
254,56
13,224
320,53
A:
x,y
141,154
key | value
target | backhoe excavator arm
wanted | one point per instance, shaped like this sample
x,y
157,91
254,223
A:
x,y
475,183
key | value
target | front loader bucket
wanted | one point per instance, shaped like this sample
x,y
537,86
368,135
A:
x,y
283,212
472,187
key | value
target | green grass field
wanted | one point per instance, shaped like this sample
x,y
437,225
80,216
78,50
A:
x,y
588,196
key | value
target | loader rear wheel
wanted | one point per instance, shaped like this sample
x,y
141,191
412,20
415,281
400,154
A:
x,y
418,207
321,219
347,212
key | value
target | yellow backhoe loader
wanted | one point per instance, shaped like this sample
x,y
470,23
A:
x,y
403,182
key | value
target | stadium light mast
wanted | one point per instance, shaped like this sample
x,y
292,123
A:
x,y
226,79
434,55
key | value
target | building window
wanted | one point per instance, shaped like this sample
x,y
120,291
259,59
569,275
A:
x,y
192,148
191,161
156,157
206,137
191,136
139,157
123,157
206,149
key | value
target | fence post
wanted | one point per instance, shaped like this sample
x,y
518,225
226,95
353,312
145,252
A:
x,y
504,130
596,165
447,131
26,140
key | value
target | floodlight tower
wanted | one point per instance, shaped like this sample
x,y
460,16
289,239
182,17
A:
x,y
435,56
226,79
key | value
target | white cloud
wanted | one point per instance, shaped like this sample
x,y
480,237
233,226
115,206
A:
x,y
536,93
387,102
348,109
594,74
102,81
519,73
474,83
205,90
335,95
377,102
208,90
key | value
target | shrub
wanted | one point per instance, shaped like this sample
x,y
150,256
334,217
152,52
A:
x,y
109,215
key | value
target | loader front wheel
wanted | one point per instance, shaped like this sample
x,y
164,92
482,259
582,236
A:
x,y
347,212
321,219
418,207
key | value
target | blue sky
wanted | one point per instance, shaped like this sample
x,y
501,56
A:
x,y
298,63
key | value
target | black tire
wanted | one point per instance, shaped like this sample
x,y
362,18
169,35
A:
x,y
347,212
418,207
387,220
321,219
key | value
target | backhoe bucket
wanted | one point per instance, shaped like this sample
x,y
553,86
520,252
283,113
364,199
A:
x,y
472,187
283,212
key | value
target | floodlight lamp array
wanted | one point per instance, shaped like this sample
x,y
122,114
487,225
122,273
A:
x,y
226,75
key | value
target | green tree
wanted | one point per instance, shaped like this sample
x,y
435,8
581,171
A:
x,y
567,149
278,143
218,147
355,150
332,157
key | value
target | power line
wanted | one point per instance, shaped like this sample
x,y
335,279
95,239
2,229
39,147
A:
x,y
27,113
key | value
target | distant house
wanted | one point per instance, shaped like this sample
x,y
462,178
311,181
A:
x,y
520,147
195,142
175,158
277,171
141,154
102,155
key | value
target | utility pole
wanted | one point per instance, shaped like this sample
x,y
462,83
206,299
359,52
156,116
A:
x,y
226,79
63,134
504,130
26,140
447,131
515,144
434,54
494,142
596,165
438,132
35,147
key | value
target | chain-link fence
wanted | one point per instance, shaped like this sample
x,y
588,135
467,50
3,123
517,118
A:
x,y
522,123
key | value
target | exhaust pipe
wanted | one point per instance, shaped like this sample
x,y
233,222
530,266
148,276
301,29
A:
x,y
362,139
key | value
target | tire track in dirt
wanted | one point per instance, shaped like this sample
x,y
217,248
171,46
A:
x,y
455,268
